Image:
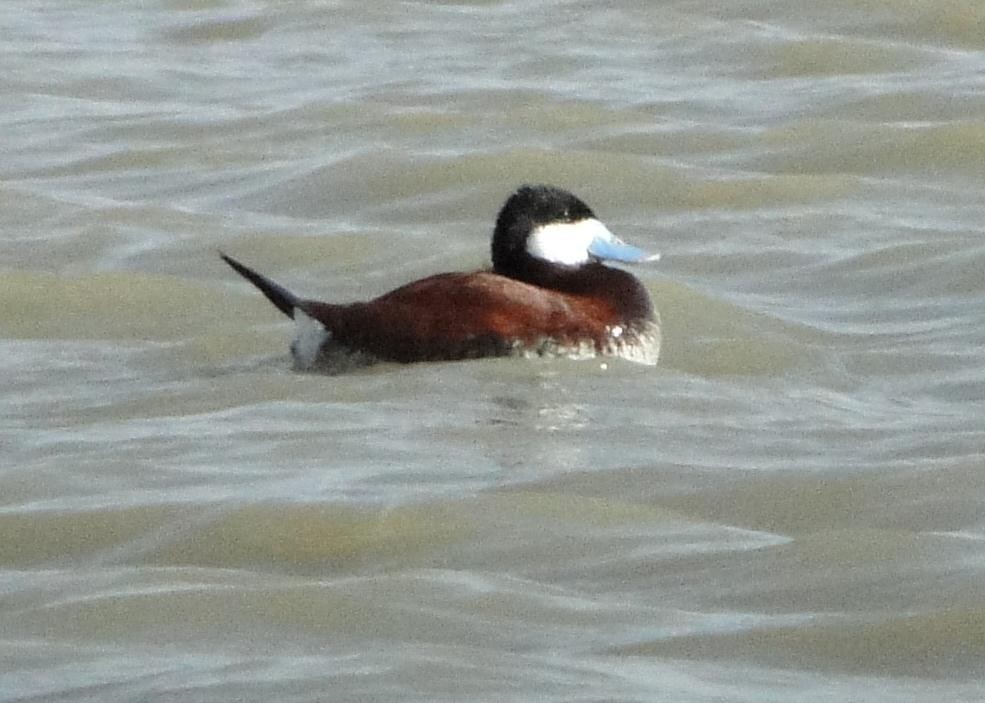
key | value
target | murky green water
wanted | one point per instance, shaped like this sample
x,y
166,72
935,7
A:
x,y
788,508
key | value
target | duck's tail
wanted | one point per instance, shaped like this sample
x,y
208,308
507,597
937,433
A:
x,y
283,299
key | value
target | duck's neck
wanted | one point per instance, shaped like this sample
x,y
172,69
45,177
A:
x,y
619,288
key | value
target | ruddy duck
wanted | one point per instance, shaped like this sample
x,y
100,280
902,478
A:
x,y
548,294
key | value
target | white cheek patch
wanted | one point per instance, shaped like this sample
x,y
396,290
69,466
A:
x,y
309,336
566,242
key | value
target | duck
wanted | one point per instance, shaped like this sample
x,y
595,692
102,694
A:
x,y
549,293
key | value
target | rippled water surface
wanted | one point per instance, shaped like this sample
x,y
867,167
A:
x,y
789,507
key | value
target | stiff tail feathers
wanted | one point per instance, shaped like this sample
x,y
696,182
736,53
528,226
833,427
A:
x,y
283,299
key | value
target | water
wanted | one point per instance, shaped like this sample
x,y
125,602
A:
x,y
788,508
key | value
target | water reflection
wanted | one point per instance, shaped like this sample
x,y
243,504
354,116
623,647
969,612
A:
x,y
538,426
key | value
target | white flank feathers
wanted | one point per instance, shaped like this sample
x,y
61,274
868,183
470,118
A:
x,y
309,336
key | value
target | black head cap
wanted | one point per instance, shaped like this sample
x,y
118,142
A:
x,y
528,208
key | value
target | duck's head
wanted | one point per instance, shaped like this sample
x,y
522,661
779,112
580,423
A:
x,y
543,227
